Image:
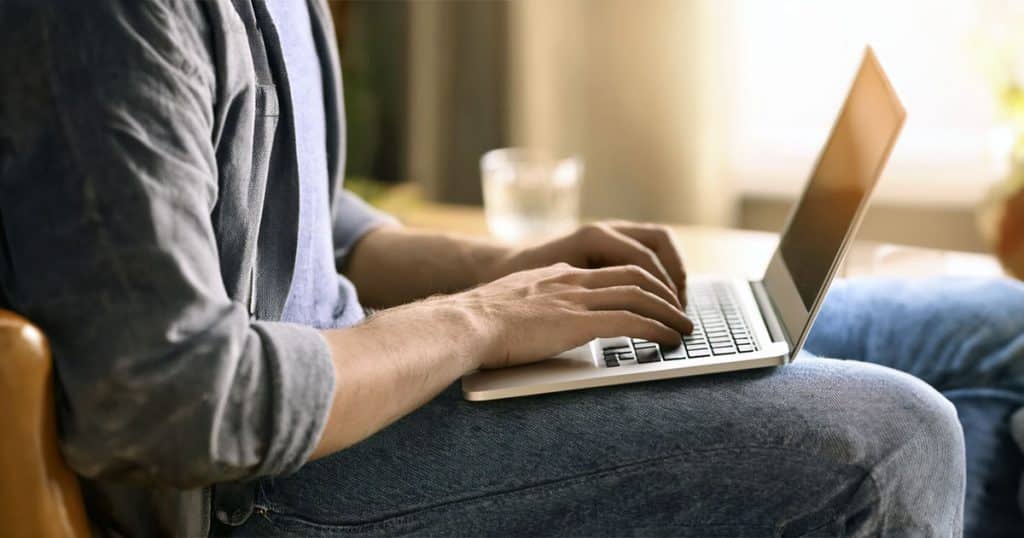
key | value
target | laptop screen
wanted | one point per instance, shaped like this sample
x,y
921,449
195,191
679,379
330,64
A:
x,y
845,173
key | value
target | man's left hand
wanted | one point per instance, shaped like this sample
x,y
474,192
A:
x,y
605,244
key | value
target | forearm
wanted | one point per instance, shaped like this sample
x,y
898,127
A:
x,y
392,364
392,266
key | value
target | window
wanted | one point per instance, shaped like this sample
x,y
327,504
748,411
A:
x,y
792,62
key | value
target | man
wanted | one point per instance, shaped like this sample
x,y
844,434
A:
x,y
173,218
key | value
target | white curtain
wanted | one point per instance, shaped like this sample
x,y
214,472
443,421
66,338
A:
x,y
636,88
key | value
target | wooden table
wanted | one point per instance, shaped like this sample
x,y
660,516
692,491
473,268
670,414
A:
x,y
742,252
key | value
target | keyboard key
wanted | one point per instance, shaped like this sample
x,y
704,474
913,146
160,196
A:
x,y
617,349
698,353
611,363
647,354
626,356
675,353
723,350
618,341
744,348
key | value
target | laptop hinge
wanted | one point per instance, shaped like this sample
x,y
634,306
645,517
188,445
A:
x,y
769,314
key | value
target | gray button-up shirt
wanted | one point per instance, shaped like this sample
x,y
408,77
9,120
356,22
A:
x,y
148,217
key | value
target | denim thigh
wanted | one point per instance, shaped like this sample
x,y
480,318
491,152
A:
x,y
817,447
953,333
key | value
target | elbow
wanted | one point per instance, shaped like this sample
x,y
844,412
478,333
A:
x,y
218,406
164,429
155,451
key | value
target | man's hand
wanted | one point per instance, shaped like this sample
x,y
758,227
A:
x,y
535,314
606,244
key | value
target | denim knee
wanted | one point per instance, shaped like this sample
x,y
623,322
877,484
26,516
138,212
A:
x,y
916,468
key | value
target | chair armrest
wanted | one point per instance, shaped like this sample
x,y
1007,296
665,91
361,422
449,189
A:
x,y
39,495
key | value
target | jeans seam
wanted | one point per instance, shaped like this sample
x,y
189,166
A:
x,y
547,487
830,520
869,478
878,489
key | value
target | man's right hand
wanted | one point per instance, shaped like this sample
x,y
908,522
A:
x,y
531,315
402,357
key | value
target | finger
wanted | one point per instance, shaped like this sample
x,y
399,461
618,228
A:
x,y
625,275
613,323
660,240
640,301
606,246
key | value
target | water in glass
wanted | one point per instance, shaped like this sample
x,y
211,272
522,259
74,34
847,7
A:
x,y
530,195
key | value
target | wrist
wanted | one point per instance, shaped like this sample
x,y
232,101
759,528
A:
x,y
491,261
475,336
446,325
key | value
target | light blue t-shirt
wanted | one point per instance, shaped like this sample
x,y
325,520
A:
x,y
318,296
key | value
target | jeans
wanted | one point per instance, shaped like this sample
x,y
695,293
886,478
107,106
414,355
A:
x,y
965,337
821,447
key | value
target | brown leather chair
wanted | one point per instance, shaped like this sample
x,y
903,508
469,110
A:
x,y
39,494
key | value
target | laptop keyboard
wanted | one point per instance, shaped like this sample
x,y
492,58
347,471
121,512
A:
x,y
719,329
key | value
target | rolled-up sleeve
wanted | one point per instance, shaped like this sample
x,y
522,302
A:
x,y
353,218
108,179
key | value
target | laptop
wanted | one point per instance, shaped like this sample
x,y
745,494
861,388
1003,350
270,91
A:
x,y
740,324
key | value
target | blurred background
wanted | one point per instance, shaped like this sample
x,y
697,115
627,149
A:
x,y
686,111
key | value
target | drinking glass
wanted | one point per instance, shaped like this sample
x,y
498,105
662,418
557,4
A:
x,y
530,194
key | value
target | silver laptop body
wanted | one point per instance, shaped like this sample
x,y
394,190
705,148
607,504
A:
x,y
743,324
